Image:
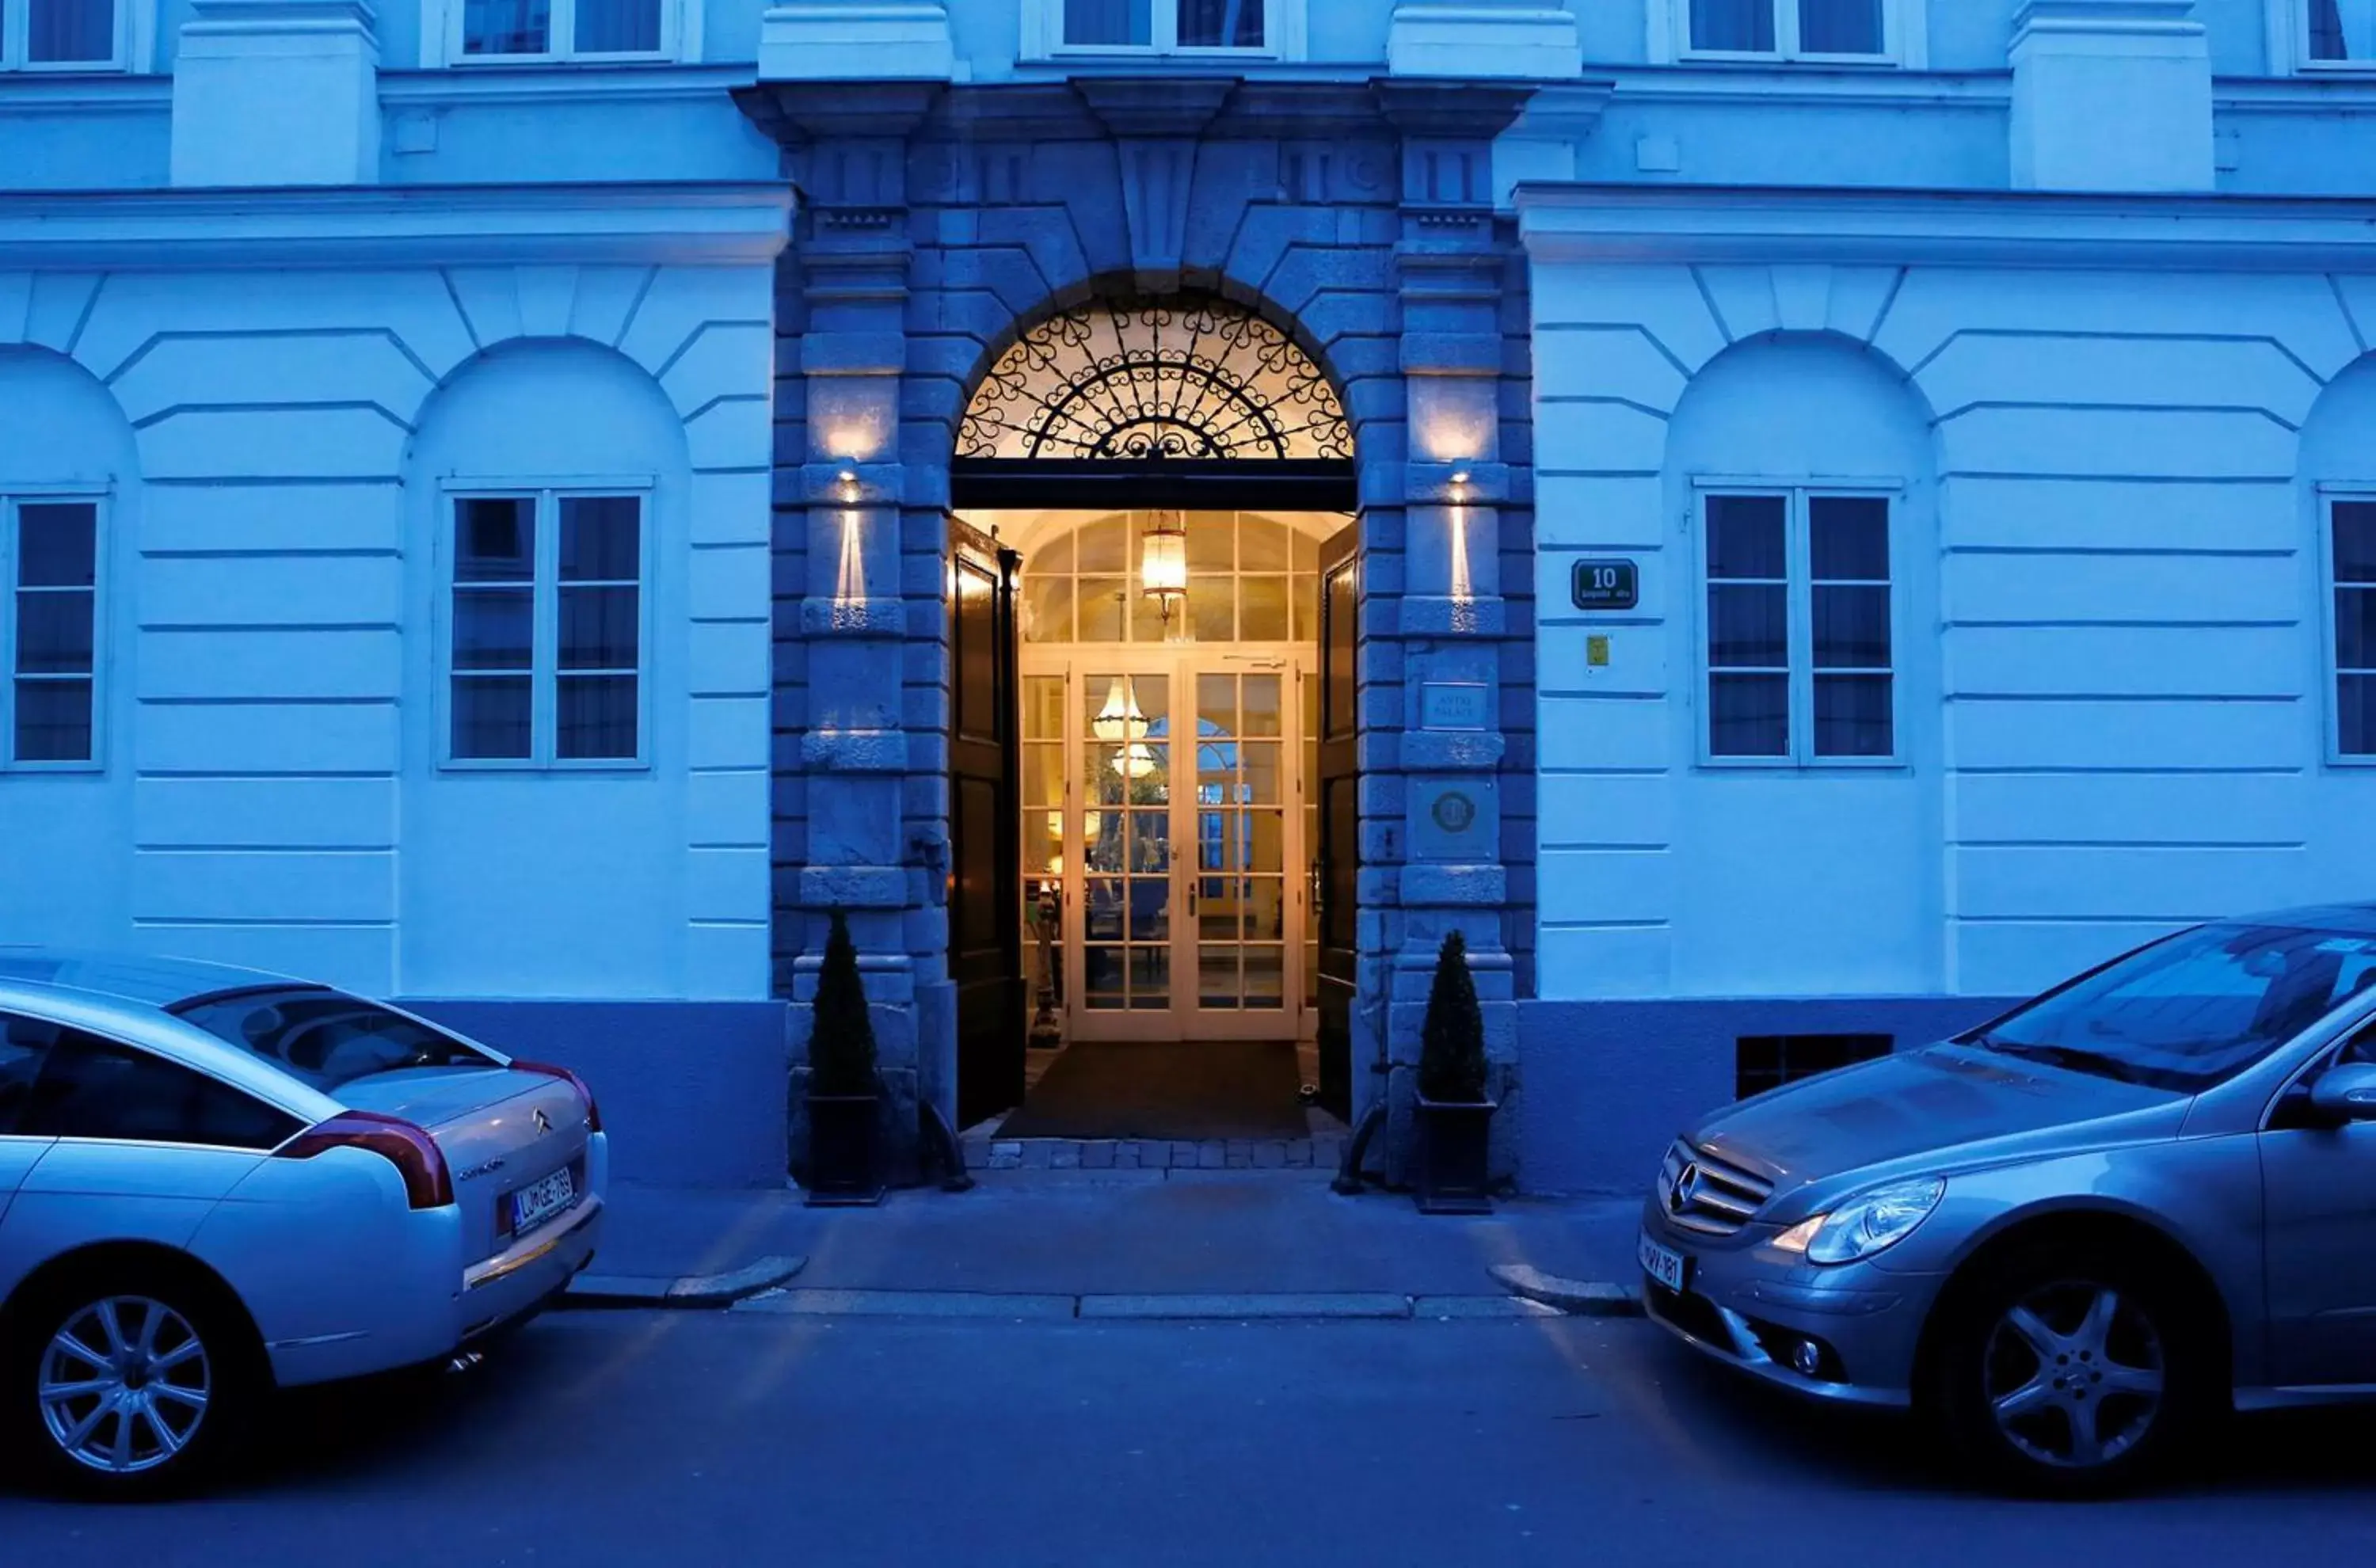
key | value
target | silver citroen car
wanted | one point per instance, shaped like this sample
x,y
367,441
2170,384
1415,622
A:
x,y
2074,1236
216,1182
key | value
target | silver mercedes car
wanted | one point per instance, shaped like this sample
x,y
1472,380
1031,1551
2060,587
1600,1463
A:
x,y
2075,1236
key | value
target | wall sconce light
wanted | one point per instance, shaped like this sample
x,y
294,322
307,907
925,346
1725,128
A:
x,y
1163,565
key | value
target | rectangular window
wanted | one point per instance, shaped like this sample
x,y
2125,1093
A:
x,y
545,638
1164,25
1788,29
1768,1061
2342,32
51,619
561,30
2353,526
58,35
1801,639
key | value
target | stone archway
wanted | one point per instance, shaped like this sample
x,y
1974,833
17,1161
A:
x,y
940,225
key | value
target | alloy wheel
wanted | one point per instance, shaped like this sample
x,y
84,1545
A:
x,y
124,1385
2074,1374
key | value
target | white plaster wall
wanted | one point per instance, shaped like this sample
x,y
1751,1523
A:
x,y
2130,665
277,801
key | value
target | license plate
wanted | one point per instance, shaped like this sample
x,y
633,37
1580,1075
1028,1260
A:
x,y
539,1201
1665,1265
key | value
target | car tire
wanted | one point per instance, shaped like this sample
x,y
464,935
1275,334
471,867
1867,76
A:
x,y
2071,1373
130,1381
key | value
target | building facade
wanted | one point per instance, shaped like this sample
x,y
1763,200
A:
x,y
1786,522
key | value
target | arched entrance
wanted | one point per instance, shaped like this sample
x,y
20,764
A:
x,y
938,224
1152,492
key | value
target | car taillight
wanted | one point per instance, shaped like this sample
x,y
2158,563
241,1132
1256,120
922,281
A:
x,y
428,1183
593,1111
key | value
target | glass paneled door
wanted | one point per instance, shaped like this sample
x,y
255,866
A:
x,y
1162,795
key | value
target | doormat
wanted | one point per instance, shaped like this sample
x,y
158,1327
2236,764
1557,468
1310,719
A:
x,y
1193,1090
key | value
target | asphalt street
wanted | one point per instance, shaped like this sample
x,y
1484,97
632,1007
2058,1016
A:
x,y
602,1438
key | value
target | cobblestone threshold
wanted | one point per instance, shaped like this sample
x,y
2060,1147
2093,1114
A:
x,y
1323,1153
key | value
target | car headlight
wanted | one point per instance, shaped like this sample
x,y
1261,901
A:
x,y
1868,1223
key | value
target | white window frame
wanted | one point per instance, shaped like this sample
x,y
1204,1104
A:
x,y
11,497
1799,562
2328,660
442,40
1904,34
544,659
16,43
1286,35
2290,46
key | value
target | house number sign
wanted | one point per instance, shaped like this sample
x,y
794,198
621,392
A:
x,y
1607,584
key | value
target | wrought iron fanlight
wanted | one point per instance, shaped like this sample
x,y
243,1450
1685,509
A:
x,y
1193,379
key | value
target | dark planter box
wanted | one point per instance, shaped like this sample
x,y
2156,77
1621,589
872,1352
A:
x,y
843,1169
1455,1156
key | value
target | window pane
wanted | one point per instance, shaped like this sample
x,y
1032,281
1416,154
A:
x,y
1262,545
600,628
54,633
491,717
1110,22
494,540
493,628
53,722
23,1043
600,539
1749,716
2342,30
1851,628
57,544
618,27
1102,609
68,31
507,27
1839,27
2355,702
1853,716
1849,538
2355,538
95,1088
1221,24
596,715
1733,24
1047,608
1749,626
1212,543
1746,535
1262,609
2355,628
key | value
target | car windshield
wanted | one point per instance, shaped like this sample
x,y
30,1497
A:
x,y
325,1037
2193,1011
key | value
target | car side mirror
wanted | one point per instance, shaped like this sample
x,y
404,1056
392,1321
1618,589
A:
x,y
2345,1093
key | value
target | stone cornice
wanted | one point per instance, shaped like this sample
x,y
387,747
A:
x,y
655,224
1715,223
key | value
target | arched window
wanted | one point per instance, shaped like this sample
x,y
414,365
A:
x,y
1190,379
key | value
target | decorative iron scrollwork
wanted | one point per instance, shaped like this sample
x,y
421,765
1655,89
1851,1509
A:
x,y
1191,379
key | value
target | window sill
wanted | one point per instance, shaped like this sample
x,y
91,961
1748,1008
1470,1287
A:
x,y
464,767
556,62
1795,768
1801,62
96,769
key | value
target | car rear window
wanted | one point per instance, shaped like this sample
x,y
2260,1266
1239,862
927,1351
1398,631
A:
x,y
325,1037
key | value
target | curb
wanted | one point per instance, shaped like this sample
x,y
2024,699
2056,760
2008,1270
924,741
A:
x,y
1117,1310
686,1292
1579,1298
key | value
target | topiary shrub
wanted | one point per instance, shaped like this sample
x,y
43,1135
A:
x,y
841,1045
1451,1040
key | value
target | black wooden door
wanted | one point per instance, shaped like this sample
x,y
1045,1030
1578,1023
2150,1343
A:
x,y
1336,861
985,845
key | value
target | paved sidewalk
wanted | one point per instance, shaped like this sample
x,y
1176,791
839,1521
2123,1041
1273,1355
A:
x,y
1075,1233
